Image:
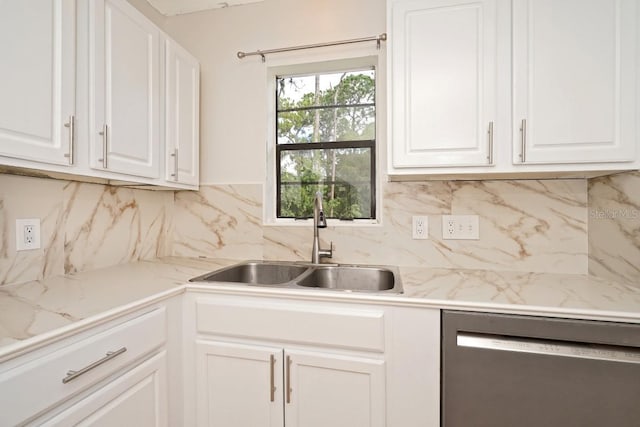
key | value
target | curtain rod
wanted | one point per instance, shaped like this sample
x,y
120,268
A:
x,y
262,53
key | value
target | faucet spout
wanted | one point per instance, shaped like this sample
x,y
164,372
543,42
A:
x,y
319,221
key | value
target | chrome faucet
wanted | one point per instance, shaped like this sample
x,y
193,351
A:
x,y
319,221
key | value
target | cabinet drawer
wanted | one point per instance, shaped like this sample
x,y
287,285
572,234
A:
x,y
37,385
344,327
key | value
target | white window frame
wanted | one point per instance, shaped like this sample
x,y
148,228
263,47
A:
x,y
328,66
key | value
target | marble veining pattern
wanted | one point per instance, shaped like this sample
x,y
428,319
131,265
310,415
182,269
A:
x,y
519,288
219,221
23,197
520,221
31,308
533,226
614,227
83,226
113,225
36,307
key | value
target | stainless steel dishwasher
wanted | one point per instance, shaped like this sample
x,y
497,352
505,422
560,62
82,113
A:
x,y
520,371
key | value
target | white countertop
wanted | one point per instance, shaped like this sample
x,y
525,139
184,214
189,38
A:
x,y
31,310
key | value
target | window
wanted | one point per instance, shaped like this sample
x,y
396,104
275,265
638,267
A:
x,y
325,141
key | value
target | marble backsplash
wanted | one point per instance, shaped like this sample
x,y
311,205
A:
x,y
614,227
527,226
557,226
83,226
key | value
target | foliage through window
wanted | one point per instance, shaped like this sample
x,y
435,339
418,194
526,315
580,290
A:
x,y
326,130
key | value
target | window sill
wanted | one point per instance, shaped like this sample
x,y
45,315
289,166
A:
x,y
286,222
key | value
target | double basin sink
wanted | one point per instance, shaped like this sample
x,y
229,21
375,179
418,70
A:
x,y
356,278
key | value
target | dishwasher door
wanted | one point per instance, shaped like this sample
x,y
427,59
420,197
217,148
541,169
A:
x,y
520,371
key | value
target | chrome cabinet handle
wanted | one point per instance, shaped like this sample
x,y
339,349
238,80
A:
x,y
105,146
523,140
72,130
272,360
72,375
288,380
490,133
175,164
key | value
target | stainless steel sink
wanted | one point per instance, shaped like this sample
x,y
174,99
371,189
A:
x,y
352,278
357,278
255,273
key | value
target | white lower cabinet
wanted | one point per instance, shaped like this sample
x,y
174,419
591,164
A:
x,y
231,378
208,359
268,362
324,389
137,398
117,373
316,388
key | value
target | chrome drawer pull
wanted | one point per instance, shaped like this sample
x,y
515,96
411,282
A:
x,y
523,140
72,375
490,133
175,164
272,391
288,380
105,146
71,126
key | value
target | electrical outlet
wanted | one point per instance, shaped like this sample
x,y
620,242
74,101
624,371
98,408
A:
x,y
460,227
420,229
27,234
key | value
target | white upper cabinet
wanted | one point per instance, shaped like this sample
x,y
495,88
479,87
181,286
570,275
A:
x,y
90,90
124,119
522,88
443,80
37,79
182,119
574,79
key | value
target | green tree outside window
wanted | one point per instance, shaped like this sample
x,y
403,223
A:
x,y
326,142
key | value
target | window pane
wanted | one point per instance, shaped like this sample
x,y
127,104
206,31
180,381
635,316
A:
x,y
326,107
327,125
342,88
344,177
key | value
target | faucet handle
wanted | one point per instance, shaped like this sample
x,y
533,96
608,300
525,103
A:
x,y
327,253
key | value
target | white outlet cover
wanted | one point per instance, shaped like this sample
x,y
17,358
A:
x,y
21,241
460,227
420,227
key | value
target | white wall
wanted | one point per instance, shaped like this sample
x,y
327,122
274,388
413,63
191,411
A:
x,y
149,11
233,112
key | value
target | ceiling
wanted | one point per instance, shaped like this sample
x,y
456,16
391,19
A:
x,y
179,7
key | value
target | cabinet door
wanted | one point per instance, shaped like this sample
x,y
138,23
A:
x,y
125,90
37,79
331,390
238,385
137,398
182,115
574,65
443,82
